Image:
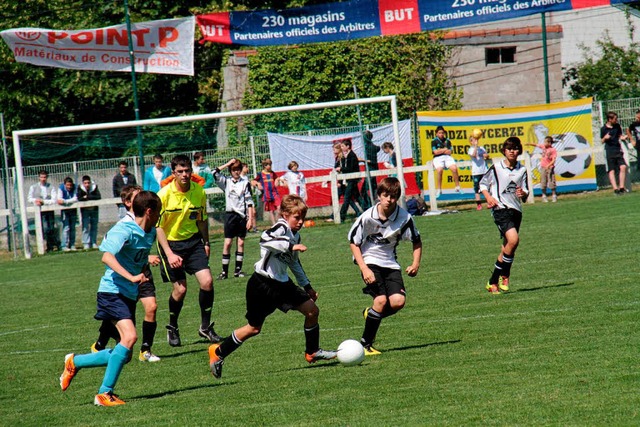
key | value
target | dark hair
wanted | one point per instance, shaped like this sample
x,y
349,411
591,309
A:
x,y
158,157
43,172
440,128
387,145
391,186
123,163
128,191
68,179
237,165
266,162
511,142
146,200
198,155
180,160
346,141
86,178
611,115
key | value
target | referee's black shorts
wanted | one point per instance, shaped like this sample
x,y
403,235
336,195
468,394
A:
x,y
194,259
234,225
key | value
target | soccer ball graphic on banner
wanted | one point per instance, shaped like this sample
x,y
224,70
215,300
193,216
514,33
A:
x,y
350,352
570,166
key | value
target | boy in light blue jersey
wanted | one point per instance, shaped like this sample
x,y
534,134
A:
x,y
125,250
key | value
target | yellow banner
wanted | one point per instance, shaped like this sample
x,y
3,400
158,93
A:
x,y
569,123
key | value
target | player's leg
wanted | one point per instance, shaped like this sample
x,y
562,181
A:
x,y
622,176
439,181
544,178
226,256
374,315
456,178
240,256
176,301
120,355
149,327
312,351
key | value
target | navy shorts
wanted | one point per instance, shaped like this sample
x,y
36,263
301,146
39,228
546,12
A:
x,y
507,219
388,282
115,307
234,225
148,288
194,259
265,295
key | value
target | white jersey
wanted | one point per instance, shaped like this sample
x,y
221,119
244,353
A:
x,y
478,162
378,239
296,183
502,181
237,193
47,193
276,254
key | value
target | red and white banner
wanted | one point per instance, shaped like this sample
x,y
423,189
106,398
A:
x,y
314,155
162,47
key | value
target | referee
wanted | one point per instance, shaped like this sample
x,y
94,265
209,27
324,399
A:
x,y
183,239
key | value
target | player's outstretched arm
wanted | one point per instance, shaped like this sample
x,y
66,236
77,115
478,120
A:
x,y
367,274
110,260
412,270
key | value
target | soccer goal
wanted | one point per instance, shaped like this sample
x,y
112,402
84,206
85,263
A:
x,y
51,142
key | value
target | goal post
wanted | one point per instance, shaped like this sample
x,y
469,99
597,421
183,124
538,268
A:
x,y
17,135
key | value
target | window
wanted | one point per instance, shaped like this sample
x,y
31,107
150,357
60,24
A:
x,y
500,55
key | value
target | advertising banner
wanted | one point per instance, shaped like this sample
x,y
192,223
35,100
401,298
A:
x,y
314,155
365,18
163,47
569,123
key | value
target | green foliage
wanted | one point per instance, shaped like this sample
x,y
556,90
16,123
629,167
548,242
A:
x,y
411,67
607,72
560,349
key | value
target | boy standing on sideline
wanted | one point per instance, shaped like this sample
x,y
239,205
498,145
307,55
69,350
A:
x,y
44,194
239,214
125,251
373,239
633,134
295,181
155,174
504,186
183,240
611,135
270,288
479,158
392,163
120,180
146,295
67,196
441,149
349,164
202,169
266,183
547,168
89,191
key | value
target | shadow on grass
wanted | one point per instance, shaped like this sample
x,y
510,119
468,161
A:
x,y
200,349
176,391
431,344
544,287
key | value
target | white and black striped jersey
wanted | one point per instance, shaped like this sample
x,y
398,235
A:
x,y
277,254
237,194
378,239
501,181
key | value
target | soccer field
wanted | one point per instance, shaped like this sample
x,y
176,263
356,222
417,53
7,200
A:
x,y
560,349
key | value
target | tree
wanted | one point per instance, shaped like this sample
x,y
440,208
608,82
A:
x,y
607,72
412,67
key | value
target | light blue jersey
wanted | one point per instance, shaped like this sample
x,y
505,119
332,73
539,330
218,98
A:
x,y
128,242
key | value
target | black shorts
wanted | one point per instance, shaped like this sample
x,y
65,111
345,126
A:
x,y
148,288
507,219
614,161
234,225
115,307
264,295
388,282
194,259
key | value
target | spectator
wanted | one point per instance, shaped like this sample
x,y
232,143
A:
x,y
122,178
89,191
67,195
479,158
44,194
611,135
154,175
547,168
371,159
392,163
202,169
349,164
441,148
266,183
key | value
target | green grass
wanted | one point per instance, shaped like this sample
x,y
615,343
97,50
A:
x,y
560,349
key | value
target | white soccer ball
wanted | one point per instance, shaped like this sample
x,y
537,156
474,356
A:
x,y
350,352
570,166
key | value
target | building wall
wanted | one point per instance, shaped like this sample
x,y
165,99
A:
x,y
506,85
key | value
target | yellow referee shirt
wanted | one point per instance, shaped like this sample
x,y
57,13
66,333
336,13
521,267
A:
x,y
180,211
